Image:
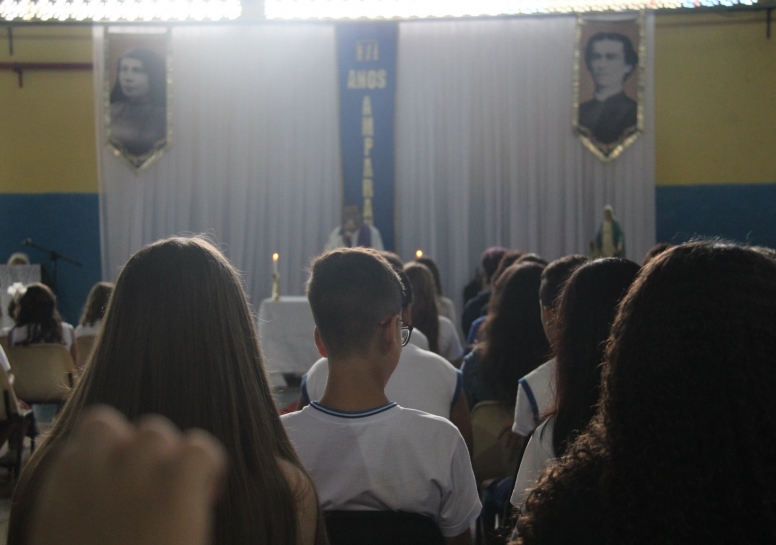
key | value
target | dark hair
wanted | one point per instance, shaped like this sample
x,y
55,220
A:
x,y
532,258
513,340
682,449
425,313
770,253
656,250
395,261
630,55
154,66
586,311
554,277
507,260
432,267
96,303
37,309
350,290
179,340
489,261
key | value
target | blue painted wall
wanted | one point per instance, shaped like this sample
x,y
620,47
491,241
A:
x,y
742,212
66,222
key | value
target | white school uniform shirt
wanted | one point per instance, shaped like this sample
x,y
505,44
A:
x,y
387,459
419,339
422,380
19,335
449,344
535,395
539,453
88,330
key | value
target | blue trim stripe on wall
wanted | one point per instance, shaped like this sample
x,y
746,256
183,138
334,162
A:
x,y
66,222
743,213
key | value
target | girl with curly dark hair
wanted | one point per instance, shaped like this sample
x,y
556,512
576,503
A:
x,y
683,448
586,310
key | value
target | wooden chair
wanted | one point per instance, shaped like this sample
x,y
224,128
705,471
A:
x,y
85,345
381,528
491,458
44,373
15,424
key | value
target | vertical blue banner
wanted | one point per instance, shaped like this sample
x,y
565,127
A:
x,y
366,54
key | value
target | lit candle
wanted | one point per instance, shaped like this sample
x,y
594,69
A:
x,y
275,258
419,254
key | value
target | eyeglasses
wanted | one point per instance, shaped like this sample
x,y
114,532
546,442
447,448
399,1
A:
x,y
406,330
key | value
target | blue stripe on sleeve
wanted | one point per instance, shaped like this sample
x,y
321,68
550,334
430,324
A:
x,y
303,388
531,399
458,388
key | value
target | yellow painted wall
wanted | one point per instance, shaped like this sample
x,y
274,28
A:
x,y
715,86
47,141
715,91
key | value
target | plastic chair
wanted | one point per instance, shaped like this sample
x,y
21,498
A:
x,y
44,373
13,419
381,528
491,458
85,345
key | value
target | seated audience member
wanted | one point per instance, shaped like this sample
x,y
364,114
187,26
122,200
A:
x,y
418,338
513,341
682,448
442,337
655,251
114,483
445,304
37,321
509,259
586,310
423,381
94,310
363,451
179,340
473,308
534,393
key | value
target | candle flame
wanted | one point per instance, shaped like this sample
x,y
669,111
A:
x,y
275,256
419,254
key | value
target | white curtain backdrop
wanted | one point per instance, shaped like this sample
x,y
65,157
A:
x,y
485,153
485,150
254,160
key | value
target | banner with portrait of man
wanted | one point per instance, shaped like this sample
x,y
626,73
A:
x,y
137,94
609,83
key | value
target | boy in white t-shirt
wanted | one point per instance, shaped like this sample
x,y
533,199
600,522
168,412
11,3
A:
x,y
363,451
422,380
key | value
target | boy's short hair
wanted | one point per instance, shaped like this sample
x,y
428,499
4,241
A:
x,y
350,291
554,278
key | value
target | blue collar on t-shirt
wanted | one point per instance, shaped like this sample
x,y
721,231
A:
x,y
353,414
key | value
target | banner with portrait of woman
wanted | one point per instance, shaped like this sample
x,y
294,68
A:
x,y
137,94
609,82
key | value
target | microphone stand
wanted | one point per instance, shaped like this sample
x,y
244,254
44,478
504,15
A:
x,y
54,256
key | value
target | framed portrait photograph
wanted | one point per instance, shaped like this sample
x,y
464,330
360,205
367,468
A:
x,y
137,95
608,112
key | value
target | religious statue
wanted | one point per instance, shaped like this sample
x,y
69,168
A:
x,y
610,240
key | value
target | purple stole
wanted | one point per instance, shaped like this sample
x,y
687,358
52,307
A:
x,y
364,237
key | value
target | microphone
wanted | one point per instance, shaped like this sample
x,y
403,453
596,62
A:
x,y
26,242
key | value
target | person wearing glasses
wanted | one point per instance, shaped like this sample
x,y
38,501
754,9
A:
x,y
422,380
362,450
